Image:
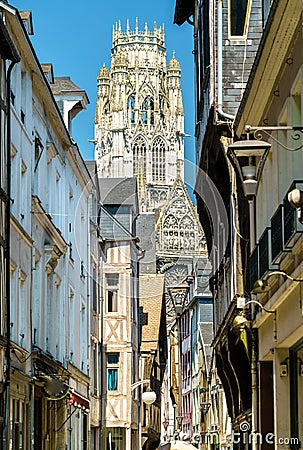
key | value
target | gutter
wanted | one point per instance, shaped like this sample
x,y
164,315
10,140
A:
x,y
5,432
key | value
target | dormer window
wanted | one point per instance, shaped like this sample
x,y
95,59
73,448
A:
x,y
238,18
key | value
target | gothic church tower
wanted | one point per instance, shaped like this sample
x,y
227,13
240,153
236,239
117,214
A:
x,y
139,122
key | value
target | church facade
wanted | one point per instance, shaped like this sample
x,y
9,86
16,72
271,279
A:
x,y
139,121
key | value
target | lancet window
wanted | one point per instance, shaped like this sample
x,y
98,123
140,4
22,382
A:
x,y
158,159
148,113
139,156
131,109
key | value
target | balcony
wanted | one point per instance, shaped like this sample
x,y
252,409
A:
x,y
277,240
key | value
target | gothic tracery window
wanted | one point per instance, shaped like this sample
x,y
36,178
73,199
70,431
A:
x,y
148,107
158,159
139,156
131,109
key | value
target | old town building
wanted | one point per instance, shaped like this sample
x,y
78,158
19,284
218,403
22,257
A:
x,y
249,142
226,38
276,85
54,242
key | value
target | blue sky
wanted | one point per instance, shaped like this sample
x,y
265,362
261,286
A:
x,y
75,36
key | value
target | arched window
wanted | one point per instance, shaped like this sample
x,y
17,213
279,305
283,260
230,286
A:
x,y
131,109
139,156
148,110
158,159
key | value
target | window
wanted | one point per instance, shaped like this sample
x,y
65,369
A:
x,y
112,281
95,290
139,156
238,17
158,159
148,111
131,110
95,368
112,371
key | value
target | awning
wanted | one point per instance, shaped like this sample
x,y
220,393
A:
x,y
177,445
79,402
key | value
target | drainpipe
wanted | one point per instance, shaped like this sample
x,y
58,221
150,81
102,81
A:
x,y
220,64
6,422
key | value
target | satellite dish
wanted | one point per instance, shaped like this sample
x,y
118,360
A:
x,y
55,389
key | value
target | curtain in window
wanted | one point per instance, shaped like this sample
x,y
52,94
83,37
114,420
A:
x,y
112,379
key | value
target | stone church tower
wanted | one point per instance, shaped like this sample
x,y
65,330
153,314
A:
x,y
139,122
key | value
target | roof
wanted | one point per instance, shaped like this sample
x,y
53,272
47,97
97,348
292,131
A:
x,y
103,72
64,84
118,191
8,49
173,64
26,17
183,10
151,300
48,72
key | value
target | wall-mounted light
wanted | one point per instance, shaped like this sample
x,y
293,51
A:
x,y
178,295
258,133
284,367
248,158
295,198
261,285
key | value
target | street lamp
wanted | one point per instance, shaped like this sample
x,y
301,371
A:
x,y
148,397
261,285
205,407
178,295
248,158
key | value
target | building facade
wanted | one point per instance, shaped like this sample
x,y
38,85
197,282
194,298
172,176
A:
x,y
278,233
8,55
120,327
227,34
51,248
249,72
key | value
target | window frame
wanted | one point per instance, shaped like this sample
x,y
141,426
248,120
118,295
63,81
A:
x,y
112,367
246,21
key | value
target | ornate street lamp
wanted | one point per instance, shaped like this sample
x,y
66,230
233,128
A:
x,y
248,158
179,420
178,295
205,407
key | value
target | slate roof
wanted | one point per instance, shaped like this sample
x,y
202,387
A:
x,y
118,191
65,84
111,228
207,333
